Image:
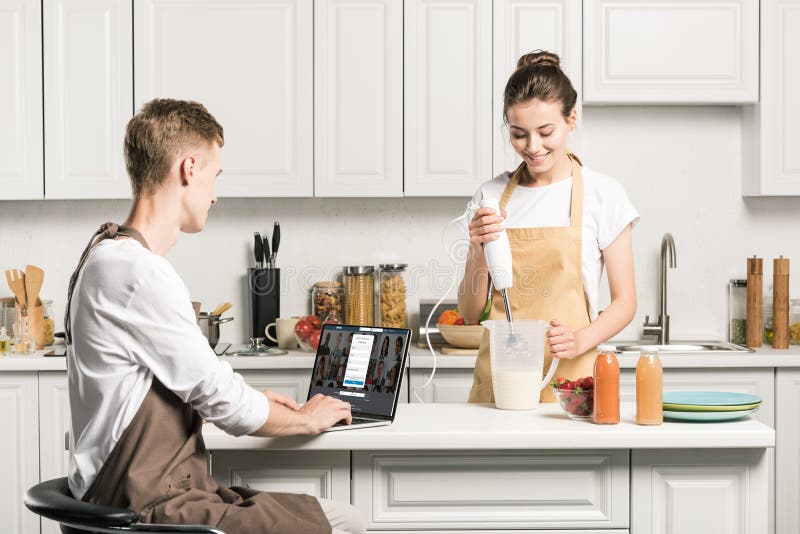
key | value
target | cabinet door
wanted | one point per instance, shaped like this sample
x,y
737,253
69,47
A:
x,y
324,474
699,491
88,97
358,96
522,26
19,450
771,130
675,51
53,425
20,100
250,63
293,383
448,96
787,462
759,382
448,385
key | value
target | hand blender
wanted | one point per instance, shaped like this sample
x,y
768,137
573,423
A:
x,y
498,259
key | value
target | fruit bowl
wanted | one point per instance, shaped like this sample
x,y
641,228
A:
x,y
307,332
462,336
576,397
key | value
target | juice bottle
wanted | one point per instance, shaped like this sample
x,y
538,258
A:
x,y
606,389
649,389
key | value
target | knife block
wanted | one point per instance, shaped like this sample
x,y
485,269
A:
x,y
264,286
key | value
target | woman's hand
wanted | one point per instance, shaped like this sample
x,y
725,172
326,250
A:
x,y
485,226
563,341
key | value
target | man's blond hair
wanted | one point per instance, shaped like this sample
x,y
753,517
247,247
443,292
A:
x,y
163,130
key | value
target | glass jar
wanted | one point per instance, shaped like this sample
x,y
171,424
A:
x,y
393,295
327,302
49,324
794,321
649,389
5,341
737,308
23,341
359,288
766,319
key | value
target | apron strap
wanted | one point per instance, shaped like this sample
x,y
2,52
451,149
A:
x,y
107,230
576,203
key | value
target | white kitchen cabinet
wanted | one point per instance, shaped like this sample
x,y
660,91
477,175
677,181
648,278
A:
x,y
522,26
291,382
448,96
771,129
787,445
88,97
699,491
19,450
250,62
448,385
324,474
54,423
432,490
670,52
21,100
358,98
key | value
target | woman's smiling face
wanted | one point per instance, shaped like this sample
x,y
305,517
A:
x,y
539,133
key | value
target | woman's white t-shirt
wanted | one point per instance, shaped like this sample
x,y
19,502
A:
x,y
606,212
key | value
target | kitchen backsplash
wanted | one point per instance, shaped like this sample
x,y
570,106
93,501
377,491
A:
x,y
680,166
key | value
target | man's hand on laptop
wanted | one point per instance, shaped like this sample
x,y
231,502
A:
x,y
318,414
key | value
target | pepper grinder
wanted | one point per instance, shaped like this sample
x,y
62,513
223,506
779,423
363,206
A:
x,y
780,302
754,301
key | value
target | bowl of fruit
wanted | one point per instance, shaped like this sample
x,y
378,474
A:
x,y
307,331
576,397
458,332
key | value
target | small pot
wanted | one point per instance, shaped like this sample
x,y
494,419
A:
x,y
209,326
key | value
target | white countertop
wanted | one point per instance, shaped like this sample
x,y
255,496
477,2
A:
x,y
482,426
421,359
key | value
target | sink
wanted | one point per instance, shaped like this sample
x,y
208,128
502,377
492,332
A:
x,y
678,347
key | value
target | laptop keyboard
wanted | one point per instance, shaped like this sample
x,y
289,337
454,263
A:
x,y
356,420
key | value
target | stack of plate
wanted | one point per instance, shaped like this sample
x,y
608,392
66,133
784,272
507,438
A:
x,y
709,405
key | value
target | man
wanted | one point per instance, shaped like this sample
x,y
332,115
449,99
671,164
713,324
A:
x,y
141,375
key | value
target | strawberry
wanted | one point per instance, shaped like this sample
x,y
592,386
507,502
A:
x,y
460,321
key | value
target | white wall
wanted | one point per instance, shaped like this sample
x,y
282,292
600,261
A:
x,y
680,166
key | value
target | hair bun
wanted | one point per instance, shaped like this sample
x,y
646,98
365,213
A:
x,y
539,58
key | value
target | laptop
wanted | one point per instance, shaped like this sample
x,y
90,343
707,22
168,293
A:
x,y
362,365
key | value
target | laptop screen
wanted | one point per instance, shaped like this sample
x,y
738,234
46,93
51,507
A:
x,y
361,365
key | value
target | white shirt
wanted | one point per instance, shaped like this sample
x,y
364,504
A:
x,y
131,320
606,212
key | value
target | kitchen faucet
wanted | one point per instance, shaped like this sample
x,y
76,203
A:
x,y
661,328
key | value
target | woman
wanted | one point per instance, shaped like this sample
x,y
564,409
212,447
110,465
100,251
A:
x,y
564,223
384,349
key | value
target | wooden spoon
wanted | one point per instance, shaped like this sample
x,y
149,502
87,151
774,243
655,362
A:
x,y
16,281
34,277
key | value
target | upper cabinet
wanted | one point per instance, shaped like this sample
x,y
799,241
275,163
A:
x,y
88,97
250,63
522,26
670,52
448,97
20,99
358,98
772,129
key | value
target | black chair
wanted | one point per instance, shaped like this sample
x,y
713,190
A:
x,y
53,500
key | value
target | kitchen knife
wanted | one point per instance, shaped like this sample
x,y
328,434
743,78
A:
x,y
276,241
267,253
258,250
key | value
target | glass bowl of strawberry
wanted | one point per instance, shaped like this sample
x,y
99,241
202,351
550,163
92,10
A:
x,y
575,396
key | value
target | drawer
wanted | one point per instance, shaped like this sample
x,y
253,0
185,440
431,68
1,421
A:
x,y
491,489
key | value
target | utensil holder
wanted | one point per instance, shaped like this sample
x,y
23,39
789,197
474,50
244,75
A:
x,y
264,286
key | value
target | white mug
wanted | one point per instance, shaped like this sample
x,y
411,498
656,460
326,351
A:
x,y
284,332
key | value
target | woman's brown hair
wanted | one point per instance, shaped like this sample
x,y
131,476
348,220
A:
x,y
539,75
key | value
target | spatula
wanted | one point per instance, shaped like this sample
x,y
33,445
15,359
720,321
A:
x,y
34,277
16,281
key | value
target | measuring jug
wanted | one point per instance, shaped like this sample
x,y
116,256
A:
x,y
517,356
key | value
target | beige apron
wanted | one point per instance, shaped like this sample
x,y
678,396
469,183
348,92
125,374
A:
x,y
548,284
159,466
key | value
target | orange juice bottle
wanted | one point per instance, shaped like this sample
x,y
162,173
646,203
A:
x,y
649,390
606,389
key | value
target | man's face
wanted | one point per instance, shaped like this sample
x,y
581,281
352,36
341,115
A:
x,y
200,172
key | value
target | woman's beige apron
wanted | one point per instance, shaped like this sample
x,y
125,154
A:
x,y
548,284
159,467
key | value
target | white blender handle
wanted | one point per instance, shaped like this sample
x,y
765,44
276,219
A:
x,y
550,372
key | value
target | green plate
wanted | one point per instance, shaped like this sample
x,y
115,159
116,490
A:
x,y
707,416
695,408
